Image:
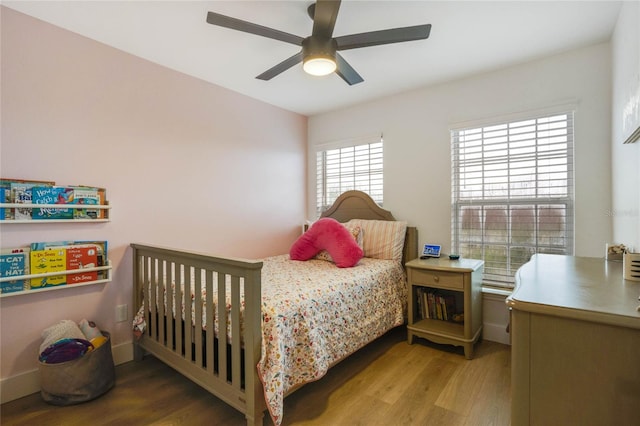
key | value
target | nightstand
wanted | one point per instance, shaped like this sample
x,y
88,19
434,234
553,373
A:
x,y
445,301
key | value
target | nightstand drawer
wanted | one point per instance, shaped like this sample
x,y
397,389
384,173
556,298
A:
x,y
438,279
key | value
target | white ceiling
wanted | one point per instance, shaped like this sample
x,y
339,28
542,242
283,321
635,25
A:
x,y
467,37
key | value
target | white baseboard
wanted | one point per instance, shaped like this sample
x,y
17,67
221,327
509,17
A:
x,y
122,353
495,315
495,333
20,385
28,383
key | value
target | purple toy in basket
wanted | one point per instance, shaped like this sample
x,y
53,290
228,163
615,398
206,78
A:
x,y
65,350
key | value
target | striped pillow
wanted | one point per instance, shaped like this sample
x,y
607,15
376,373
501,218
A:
x,y
383,239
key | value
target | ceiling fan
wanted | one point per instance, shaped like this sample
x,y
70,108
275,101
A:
x,y
319,53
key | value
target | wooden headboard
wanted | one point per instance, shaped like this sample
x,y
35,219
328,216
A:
x,y
358,205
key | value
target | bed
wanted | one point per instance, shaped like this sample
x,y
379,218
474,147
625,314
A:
x,y
296,319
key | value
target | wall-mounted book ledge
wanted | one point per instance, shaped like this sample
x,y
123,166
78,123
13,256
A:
x,y
107,279
100,213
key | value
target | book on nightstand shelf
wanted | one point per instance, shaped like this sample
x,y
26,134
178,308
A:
x,y
436,304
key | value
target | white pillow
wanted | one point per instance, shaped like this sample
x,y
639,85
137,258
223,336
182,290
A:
x,y
383,239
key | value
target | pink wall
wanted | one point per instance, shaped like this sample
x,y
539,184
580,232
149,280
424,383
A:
x,y
186,164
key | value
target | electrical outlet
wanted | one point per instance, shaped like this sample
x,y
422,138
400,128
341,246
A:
x,y
121,313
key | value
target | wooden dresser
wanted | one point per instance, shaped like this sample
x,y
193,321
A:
x,y
575,343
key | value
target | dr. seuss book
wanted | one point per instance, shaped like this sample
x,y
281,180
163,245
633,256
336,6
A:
x,y
52,259
80,257
14,262
100,259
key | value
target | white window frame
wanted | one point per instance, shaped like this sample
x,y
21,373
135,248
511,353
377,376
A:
x,y
355,164
492,174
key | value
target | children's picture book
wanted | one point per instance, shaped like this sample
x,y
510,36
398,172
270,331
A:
x,y
51,259
80,257
101,253
89,196
52,195
99,246
5,197
14,262
20,192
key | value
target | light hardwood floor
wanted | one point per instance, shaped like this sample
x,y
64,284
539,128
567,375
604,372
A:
x,y
387,383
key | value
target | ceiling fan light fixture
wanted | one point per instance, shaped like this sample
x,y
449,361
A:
x,y
319,65
319,56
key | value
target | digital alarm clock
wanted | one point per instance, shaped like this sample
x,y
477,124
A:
x,y
430,250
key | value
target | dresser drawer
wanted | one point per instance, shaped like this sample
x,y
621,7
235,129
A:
x,y
438,279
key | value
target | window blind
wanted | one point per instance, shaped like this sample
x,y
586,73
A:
x,y
512,193
358,167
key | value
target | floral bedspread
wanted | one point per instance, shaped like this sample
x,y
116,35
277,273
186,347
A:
x,y
314,314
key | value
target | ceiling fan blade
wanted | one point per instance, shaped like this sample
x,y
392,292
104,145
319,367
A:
x,y
324,18
249,27
346,72
375,38
281,67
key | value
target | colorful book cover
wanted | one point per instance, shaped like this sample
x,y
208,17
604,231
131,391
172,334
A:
x,y
101,250
5,197
79,257
14,262
52,195
48,260
89,196
20,192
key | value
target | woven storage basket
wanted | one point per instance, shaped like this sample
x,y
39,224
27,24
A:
x,y
79,380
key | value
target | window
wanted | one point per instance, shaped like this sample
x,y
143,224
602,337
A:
x,y
346,168
512,193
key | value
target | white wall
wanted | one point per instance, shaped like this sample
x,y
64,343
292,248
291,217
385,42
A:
x,y
417,146
626,101
416,128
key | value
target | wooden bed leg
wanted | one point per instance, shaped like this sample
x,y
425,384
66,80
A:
x,y
138,352
255,421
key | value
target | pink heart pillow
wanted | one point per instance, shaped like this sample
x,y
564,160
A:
x,y
330,235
